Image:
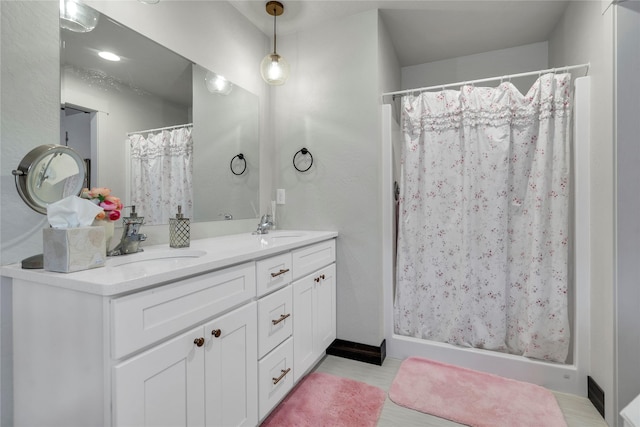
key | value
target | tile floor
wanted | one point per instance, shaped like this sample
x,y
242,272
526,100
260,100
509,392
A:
x,y
578,411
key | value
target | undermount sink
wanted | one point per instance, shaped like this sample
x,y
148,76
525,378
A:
x,y
155,256
275,238
285,235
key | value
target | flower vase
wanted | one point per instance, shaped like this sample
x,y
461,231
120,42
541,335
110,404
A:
x,y
109,229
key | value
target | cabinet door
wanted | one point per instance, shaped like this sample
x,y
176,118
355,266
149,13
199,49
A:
x,y
303,337
325,322
162,386
231,368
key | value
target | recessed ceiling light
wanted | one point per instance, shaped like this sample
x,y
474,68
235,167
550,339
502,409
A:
x,y
109,56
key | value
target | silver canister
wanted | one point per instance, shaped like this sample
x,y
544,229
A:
x,y
179,230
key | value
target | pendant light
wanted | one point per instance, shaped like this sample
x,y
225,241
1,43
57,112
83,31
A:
x,y
217,84
274,68
77,17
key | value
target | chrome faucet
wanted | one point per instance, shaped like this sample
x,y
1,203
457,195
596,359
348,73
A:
x,y
266,222
131,237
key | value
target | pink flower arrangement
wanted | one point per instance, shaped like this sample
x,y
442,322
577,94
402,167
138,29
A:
x,y
102,197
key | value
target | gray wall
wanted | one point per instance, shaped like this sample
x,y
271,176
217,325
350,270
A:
x,y
585,34
30,112
628,202
482,65
29,101
330,106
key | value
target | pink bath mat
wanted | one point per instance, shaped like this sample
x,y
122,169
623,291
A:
x,y
473,398
326,400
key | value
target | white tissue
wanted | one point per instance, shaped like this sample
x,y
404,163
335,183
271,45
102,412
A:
x,y
72,212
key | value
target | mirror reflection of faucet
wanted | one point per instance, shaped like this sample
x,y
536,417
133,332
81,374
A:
x,y
266,223
131,236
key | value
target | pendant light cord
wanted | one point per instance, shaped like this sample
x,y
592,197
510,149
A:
x,y
274,29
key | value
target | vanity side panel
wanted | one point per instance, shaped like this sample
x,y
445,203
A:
x,y
58,356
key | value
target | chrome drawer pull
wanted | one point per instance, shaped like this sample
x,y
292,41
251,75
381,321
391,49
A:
x,y
284,372
282,271
282,317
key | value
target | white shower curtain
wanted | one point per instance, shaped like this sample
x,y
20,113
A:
x,y
483,219
162,174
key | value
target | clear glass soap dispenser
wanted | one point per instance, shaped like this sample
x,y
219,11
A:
x,y
179,230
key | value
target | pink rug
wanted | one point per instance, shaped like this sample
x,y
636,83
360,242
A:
x,y
326,400
473,398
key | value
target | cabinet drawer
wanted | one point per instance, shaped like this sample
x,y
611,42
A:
x,y
273,273
275,323
149,316
311,258
275,376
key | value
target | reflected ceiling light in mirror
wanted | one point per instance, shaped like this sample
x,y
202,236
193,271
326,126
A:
x,y
217,84
76,17
109,56
274,68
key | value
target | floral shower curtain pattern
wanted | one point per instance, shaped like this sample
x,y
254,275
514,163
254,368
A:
x,y
483,228
162,174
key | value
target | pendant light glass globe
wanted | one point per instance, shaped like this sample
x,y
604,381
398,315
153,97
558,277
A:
x,y
274,69
77,17
217,84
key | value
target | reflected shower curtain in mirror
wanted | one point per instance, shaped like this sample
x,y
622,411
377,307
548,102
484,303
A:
x,y
483,228
162,174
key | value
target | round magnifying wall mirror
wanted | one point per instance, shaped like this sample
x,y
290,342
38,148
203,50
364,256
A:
x,y
49,173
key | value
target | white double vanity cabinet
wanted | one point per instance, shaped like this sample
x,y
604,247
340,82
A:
x,y
212,335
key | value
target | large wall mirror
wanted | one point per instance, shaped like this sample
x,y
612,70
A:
x,y
155,112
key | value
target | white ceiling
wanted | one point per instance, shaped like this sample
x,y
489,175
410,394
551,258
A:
x,y
425,31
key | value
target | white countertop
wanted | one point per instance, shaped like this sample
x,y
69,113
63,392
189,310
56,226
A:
x,y
160,264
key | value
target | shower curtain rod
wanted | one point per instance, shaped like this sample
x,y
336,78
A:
x,y
490,79
159,129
